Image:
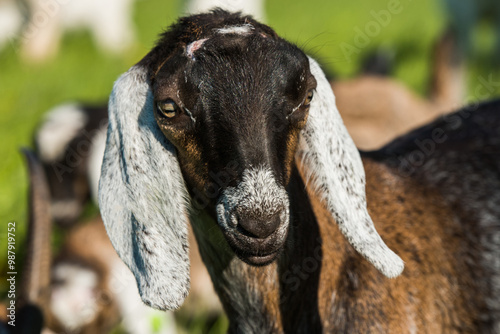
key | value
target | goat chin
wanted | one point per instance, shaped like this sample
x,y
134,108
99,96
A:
x,y
228,127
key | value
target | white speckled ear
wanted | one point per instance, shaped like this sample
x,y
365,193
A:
x,y
336,172
142,195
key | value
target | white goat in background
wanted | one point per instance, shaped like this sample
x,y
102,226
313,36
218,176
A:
x,y
252,7
110,22
40,24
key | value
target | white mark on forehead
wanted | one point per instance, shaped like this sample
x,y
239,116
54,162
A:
x,y
244,29
194,46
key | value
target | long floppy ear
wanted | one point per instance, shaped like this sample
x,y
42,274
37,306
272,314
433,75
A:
x,y
142,195
334,167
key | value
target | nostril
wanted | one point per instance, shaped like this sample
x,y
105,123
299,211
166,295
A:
x,y
257,227
246,230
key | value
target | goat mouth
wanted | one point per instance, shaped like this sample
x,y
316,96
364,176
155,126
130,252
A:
x,y
259,260
256,252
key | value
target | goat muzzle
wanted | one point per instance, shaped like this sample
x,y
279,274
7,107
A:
x,y
257,239
259,227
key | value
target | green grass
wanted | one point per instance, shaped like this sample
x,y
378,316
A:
x,y
82,73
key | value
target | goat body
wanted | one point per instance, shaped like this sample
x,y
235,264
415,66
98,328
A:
x,y
441,216
224,112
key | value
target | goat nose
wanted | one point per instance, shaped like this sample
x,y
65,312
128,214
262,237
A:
x,y
259,227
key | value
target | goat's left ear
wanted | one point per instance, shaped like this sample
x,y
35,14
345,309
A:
x,y
333,164
142,195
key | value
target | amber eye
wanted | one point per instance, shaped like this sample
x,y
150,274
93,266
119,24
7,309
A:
x,y
309,98
168,108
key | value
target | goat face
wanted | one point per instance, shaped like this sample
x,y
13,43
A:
x,y
234,120
221,105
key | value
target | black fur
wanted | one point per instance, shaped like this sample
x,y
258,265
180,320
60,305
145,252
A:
x,y
242,123
191,28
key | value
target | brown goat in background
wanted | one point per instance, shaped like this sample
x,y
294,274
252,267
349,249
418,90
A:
x,y
377,109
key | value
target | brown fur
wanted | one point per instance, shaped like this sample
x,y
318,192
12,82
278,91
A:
x,y
320,284
432,295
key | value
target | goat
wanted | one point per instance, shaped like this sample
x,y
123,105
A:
x,y
251,7
389,109
228,123
71,139
110,22
70,144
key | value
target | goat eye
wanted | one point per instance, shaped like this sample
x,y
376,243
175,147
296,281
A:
x,y
168,108
309,98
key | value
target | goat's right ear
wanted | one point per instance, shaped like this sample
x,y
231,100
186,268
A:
x,y
142,195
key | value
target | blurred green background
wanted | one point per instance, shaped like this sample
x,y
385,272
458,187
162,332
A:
x,y
81,72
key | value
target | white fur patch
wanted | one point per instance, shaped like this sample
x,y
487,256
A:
x,y
73,302
194,46
60,127
244,29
